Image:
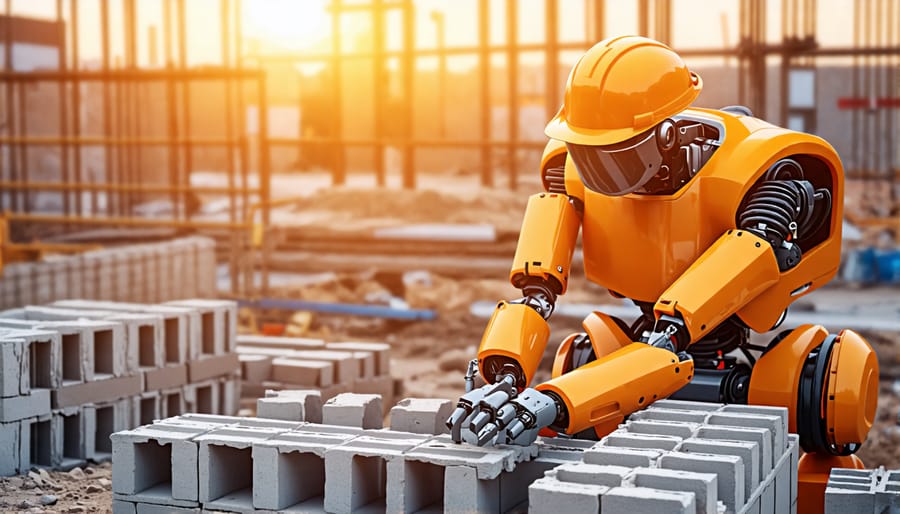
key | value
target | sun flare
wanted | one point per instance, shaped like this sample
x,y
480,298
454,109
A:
x,y
293,24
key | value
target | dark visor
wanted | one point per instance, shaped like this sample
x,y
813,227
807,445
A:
x,y
617,169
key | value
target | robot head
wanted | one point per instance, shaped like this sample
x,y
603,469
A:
x,y
615,117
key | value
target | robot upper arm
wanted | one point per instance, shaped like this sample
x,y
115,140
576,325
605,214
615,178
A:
x,y
786,210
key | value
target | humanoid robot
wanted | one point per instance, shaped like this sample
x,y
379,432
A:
x,y
712,222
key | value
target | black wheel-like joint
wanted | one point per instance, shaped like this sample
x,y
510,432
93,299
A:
x,y
812,424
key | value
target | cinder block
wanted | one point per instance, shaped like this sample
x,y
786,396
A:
x,y
69,438
28,406
230,395
463,492
668,404
166,377
123,507
226,466
181,325
421,415
581,473
551,495
34,365
357,472
149,508
623,439
280,343
146,408
775,424
160,457
80,341
672,428
748,452
354,410
218,320
729,471
634,500
255,368
172,403
100,422
11,445
304,406
761,436
303,372
629,457
205,368
851,490
346,366
202,397
660,414
703,485
381,351
289,470
97,391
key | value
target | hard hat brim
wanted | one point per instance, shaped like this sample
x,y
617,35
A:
x,y
560,129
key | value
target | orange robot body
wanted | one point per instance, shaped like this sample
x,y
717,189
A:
x,y
713,222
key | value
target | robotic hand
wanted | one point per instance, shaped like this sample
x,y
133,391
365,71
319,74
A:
x,y
499,414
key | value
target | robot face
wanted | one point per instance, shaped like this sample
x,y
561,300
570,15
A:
x,y
622,168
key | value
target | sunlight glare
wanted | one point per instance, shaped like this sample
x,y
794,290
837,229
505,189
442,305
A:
x,y
293,24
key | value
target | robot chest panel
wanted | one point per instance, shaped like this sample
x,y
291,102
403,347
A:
x,y
638,245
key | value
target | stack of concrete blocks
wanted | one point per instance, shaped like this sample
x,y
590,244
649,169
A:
x,y
149,273
108,370
863,491
682,457
233,464
297,363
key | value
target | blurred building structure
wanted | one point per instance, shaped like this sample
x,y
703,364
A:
x,y
121,141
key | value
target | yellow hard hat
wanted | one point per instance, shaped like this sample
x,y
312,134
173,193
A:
x,y
621,87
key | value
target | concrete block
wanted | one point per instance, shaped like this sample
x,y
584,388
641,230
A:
x,y
382,385
703,485
629,457
101,420
354,410
161,456
35,364
181,326
381,351
80,341
763,410
172,403
255,368
306,406
289,470
27,406
356,473
279,343
660,414
146,408
226,466
202,397
218,321
596,474
672,428
213,366
149,508
464,492
748,453
421,415
729,471
303,372
123,507
69,438
11,446
230,395
346,366
685,405
775,424
551,495
761,436
166,377
633,500
623,439
97,391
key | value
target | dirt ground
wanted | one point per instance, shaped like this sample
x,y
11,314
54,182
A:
x,y
73,491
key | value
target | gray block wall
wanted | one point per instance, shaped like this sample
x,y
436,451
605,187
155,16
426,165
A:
x,y
648,465
74,372
145,273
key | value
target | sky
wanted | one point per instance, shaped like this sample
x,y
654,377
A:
x,y
304,25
